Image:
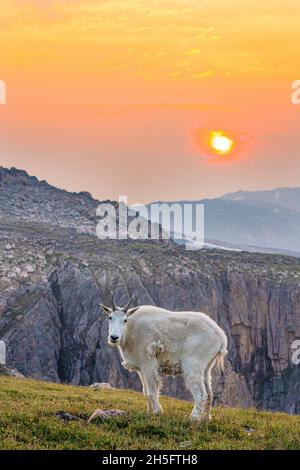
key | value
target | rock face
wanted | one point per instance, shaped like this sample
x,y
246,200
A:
x,y
53,277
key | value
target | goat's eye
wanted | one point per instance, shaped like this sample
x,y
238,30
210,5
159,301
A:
x,y
109,318
125,321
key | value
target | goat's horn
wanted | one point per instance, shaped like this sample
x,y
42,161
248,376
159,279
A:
x,y
127,306
114,307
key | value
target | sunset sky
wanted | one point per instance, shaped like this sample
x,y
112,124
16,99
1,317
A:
x,y
121,96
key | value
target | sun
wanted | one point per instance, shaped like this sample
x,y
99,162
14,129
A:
x,y
221,143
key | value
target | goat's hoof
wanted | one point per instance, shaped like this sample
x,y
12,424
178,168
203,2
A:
x,y
204,419
194,418
200,419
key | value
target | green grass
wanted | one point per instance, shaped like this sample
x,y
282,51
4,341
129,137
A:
x,y
28,421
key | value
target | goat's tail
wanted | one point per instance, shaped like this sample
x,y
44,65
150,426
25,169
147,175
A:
x,y
220,360
221,355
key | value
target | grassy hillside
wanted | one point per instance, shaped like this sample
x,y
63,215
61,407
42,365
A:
x,y
28,421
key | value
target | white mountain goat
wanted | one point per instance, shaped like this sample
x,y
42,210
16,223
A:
x,y
155,342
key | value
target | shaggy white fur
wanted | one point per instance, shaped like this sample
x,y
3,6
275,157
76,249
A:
x,y
156,342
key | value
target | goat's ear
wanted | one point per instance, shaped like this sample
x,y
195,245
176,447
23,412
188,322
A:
x,y
106,310
131,311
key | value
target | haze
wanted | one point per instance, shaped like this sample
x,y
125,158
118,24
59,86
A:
x,y
117,97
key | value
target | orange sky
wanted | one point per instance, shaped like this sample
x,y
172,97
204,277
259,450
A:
x,y
118,96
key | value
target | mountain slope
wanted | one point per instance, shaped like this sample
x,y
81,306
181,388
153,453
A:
x,y
24,197
24,426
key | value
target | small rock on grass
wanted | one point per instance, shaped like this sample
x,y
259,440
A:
x,y
249,430
106,414
101,386
66,416
185,444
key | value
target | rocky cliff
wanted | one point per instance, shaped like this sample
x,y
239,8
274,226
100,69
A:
x,y
53,274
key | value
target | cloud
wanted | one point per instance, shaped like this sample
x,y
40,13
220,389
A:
x,y
111,111
193,52
201,75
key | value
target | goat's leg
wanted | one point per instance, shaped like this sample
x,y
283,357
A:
x,y
210,396
145,392
151,381
197,388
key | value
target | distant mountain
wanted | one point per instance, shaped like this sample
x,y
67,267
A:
x,y
288,198
262,221
252,224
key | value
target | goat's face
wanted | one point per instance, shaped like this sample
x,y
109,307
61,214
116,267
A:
x,y
117,318
117,326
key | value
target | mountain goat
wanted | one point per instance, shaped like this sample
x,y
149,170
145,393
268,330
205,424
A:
x,y
155,342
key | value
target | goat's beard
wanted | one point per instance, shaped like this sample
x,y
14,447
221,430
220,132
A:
x,y
113,345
